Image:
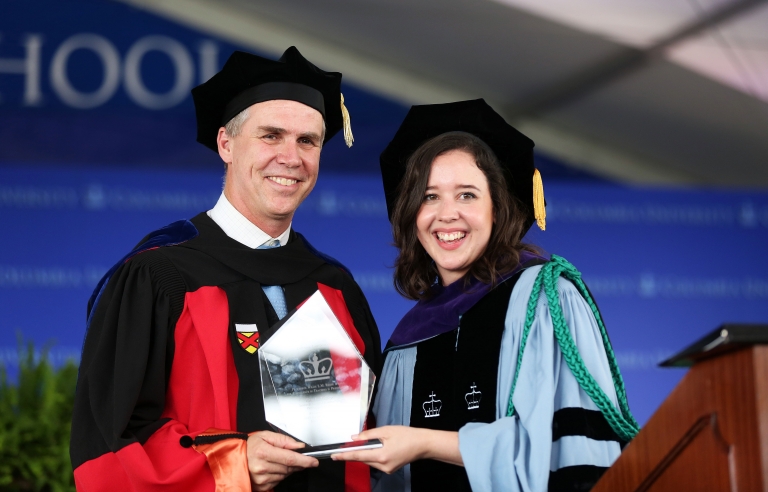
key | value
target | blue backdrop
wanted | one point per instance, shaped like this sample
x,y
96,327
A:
x,y
97,149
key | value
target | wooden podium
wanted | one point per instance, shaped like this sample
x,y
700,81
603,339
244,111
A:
x,y
711,433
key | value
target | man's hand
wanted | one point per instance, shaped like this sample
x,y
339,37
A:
x,y
271,459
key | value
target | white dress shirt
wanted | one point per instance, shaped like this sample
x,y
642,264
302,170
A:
x,y
235,225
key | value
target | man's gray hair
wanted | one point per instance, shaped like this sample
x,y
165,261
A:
x,y
233,129
235,125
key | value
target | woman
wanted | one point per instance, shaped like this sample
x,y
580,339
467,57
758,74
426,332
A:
x,y
478,389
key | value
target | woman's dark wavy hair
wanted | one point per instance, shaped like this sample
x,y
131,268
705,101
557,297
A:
x,y
415,272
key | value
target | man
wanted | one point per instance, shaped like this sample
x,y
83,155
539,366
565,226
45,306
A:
x,y
169,390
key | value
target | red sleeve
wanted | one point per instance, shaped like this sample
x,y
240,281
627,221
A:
x,y
338,305
357,476
157,465
147,378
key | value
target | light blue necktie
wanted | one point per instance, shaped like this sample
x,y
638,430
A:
x,y
275,292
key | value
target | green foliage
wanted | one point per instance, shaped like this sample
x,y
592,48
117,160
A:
x,y
35,415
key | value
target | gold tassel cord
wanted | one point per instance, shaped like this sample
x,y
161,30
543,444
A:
x,y
348,138
539,210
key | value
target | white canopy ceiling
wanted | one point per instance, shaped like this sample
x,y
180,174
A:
x,y
734,52
644,91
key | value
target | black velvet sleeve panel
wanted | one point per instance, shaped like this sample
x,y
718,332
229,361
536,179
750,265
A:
x,y
579,478
127,357
582,422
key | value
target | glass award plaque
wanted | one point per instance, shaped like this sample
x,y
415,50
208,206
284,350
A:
x,y
316,385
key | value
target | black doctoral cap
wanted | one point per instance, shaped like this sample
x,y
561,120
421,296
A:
x,y
247,79
513,149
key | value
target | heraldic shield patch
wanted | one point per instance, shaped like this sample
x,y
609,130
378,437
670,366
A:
x,y
248,336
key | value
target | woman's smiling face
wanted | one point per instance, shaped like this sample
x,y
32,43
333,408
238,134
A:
x,y
455,220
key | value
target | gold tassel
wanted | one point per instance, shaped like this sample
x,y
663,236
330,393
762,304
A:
x,y
539,211
348,138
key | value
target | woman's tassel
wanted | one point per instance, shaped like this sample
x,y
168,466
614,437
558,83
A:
x,y
539,210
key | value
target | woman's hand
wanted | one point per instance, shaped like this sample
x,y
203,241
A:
x,y
403,445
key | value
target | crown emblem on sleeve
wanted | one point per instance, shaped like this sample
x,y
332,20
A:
x,y
432,407
316,369
473,398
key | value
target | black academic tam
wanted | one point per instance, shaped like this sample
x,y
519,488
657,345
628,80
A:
x,y
247,79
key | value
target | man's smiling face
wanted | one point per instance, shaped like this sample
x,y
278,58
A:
x,y
273,162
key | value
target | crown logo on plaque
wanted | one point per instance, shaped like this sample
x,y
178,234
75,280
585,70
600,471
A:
x,y
473,398
316,369
432,407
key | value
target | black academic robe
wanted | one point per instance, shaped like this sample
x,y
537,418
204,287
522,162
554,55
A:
x,y
162,358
